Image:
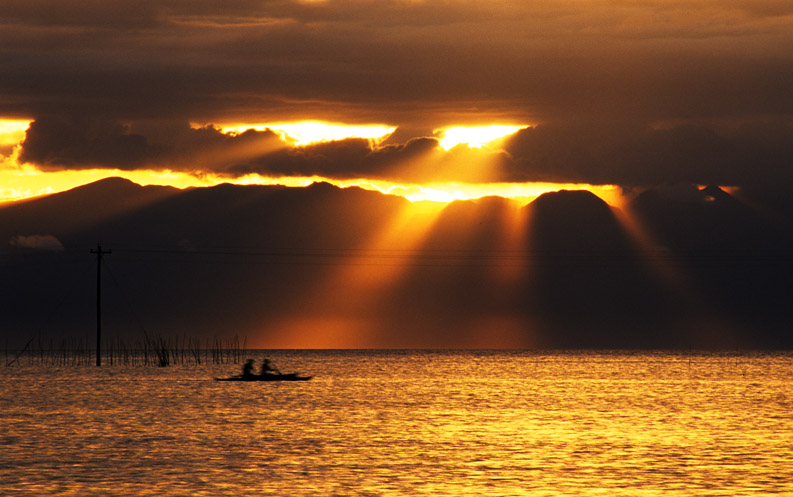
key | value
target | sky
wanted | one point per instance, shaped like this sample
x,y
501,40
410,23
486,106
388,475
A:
x,y
620,93
436,100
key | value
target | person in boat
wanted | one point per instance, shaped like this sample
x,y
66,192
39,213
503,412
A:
x,y
247,369
267,368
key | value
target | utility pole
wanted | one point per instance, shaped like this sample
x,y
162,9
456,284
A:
x,y
99,252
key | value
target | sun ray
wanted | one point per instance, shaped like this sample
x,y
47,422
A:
x,y
484,242
366,273
660,263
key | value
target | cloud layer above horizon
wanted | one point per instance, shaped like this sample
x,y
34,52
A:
x,y
620,92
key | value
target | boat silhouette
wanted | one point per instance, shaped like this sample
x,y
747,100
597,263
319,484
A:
x,y
266,377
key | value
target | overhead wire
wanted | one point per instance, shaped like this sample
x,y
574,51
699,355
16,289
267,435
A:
x,y
444,257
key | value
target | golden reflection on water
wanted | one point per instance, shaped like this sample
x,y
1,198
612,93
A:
x,y
406,423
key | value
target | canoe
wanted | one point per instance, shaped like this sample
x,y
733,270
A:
x,y
267,377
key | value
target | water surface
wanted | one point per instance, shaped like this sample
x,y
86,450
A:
x,y
370,423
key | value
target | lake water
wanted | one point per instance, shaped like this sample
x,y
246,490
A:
x,y
413,423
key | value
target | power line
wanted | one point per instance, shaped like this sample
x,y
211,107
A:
x,y
422,257
453,257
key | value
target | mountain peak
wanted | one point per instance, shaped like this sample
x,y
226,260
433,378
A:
x,y
713,193
574,220
571,208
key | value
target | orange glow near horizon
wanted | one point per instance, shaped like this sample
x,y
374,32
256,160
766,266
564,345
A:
x,y
522,193
21,182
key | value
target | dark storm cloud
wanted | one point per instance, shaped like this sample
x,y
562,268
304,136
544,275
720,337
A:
x,y
58,142
350,158
754,154
419,65
419,160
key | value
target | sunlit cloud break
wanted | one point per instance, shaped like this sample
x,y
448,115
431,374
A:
x,y
12,131
475,136
308,132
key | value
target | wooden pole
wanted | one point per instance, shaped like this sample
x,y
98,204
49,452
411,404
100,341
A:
x,y
99,252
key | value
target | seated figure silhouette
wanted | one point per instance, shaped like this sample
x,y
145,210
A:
x,y
247,369
267,368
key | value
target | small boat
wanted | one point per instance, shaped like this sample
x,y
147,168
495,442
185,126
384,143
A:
x,y
267,377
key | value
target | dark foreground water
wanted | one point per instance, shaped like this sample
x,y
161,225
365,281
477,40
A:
x,y
406,423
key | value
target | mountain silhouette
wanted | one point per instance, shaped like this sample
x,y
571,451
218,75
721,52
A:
x,y
244,260
78,209
591,287
734,256
707,219
574,221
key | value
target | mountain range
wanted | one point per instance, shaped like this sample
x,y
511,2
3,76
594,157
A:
x,y
325,267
